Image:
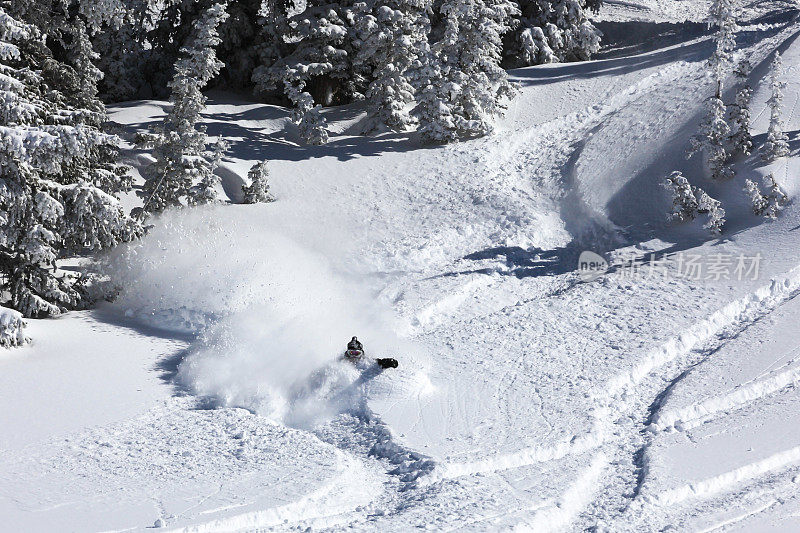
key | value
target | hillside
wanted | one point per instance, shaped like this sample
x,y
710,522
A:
x,y
208,396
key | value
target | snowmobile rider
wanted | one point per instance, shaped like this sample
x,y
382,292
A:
x,y
355,353
354,344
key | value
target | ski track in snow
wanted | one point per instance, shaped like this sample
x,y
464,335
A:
x,y
560,514
619,398
698,413
722,482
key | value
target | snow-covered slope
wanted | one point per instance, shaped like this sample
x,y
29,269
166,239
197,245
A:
x,y
208,397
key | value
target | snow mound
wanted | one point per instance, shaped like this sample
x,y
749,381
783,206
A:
x,y
11,328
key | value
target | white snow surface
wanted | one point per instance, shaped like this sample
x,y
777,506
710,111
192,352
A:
x,y
209,396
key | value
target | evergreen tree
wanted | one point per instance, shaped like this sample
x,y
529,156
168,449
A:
x,y
258,190
757,199
548,31
242,40
315,64
707,205
777,144
777,198
392,34
715,131
12,329
684,203
712,139
689,201
126,54
98,13
767,205
722,16
205,191
306,114
83,61
462,86
436,118
57,174
144,40
739,112
179,145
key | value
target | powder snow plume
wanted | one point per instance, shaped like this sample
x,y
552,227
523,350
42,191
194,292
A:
x,y
272,312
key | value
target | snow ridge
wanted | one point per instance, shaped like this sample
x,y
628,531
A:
x,y
744,310
695,414
352,488
716,484
561,514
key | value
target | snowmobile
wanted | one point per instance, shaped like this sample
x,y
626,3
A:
x,y
355,355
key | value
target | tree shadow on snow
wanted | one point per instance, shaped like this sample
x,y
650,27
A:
x,y
167,366
630,210
636,45
547,74
252,143
638,37
645,191
754,162
523,263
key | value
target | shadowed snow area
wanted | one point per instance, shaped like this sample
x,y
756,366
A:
x,y
211,396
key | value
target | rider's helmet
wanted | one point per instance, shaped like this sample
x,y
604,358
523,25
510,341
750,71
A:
x,y
354,349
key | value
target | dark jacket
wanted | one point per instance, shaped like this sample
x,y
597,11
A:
x,y
354,344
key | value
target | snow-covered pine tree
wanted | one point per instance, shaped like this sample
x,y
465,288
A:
x,y
722,16
714,133
179,145
462,87
712,139
83,59
12,328
777,144
306,114
205,190
684,203
315,64
777,198
140,46
242,40
707,205
689,201
758,201
392,36
548,31
432,111
126,53
258,190
57,175
767,205
739,112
